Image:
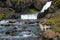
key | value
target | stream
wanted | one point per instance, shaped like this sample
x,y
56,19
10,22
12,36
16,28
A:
x,y
26,28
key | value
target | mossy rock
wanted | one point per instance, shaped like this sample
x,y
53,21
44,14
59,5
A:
x,y
2,15
55,20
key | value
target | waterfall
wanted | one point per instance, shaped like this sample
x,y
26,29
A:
x,y
46,6
29,16
34,16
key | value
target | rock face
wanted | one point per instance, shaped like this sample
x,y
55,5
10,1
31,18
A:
x,y
41,15
20,6
39,3
7,11
24,3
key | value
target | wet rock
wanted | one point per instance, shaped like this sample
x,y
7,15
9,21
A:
x,y
41,15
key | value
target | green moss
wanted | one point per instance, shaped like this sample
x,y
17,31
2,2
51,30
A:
x,y
57,29
55,2
2,15
56,24
57,12
56,21
32,10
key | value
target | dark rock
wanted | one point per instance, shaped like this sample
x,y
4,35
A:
x,y
3,0
38,4
41,15
7,11
27,3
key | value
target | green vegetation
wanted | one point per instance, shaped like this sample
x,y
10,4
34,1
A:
x,y
57,27
56,2
32,10
56,21
2,15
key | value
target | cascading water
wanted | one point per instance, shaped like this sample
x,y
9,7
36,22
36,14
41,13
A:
x,y
34,16
22,30
16,31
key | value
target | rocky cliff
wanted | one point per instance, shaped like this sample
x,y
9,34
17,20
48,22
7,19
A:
x,y
23,3
19,6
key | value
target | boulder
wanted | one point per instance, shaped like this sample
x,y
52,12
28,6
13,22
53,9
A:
x,y
49,34
8,12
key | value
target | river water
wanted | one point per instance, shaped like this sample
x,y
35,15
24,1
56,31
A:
x,y
32,32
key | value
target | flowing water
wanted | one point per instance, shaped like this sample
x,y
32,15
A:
x,y
22,30
34,15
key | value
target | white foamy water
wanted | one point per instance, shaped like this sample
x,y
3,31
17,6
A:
x,y
29,16
4,21
34,16
46,6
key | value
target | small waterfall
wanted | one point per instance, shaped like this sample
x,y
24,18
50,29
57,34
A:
x,y
29,16
34,16
46,6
